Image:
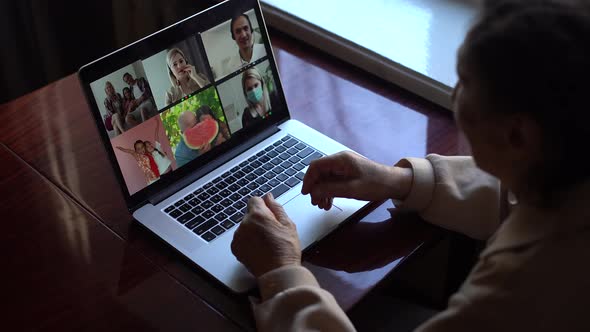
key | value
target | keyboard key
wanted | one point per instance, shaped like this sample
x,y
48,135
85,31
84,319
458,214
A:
x,y
268,148
292,151
294,159
234,187
198,191
269,175
252,185
175,213
226,174
260,171
255,164
278,170
300,146
273,183
252,158
299,166
235,197
208,185
251,177
237,217
208,214
290,172
284,156
221,217
185,217
290,142
239,205
275,162
235,169
221,185
217,208
195,222
270,166
207,204
242,182
286,164
216,199
247,169
230,179
263,159
189,196
198,210
264,189
204,196
272,154
261,180
312,157
280,149
217,180
244,191
212,191
286,138
179,203
279,190
244,163
258,193
226,202
194,202
227,224
229,211
305,153
277,143
218,230
282,177
185,207
208,236
300,176
168,209
224,193
239,174
292,182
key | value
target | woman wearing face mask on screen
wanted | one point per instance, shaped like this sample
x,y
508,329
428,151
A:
x,y
260,101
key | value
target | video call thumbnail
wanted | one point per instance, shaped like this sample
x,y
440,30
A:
x,y
195,126
233,44
124,99
177,71
249,97
144,154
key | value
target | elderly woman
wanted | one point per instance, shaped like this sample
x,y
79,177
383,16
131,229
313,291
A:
x,y
114,104
521,101
183,76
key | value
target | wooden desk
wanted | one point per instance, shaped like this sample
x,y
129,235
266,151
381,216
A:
x,y
52,130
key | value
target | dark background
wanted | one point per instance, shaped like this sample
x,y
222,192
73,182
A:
x,y
45,40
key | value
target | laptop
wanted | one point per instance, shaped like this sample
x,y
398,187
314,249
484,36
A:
x,y
194,121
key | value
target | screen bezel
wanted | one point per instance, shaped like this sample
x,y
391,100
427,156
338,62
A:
x,y
155,43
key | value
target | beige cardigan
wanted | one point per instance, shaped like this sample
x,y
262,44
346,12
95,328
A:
x,y
534,274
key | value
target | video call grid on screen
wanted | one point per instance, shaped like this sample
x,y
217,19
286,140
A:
x,y
145,89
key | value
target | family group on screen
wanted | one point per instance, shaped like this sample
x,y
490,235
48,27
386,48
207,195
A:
x,y
164,111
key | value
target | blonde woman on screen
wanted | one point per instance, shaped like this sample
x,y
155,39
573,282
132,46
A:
x,y
183,76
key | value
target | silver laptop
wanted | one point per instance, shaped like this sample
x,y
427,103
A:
x,y
195,122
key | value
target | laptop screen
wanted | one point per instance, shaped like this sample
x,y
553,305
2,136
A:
x,y
177,99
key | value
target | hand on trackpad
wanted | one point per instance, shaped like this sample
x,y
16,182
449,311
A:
x,y
312,223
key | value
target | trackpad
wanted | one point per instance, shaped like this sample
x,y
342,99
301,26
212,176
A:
x,y
312,222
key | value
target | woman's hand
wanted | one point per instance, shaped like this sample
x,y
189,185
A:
x,y
267,238
205,148
347,174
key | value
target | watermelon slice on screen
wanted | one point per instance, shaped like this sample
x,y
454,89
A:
x,y
201,134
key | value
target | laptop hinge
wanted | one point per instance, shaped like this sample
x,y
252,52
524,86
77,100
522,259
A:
x,y
212,165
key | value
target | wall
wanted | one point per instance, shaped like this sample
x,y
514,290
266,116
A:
x,y
133,176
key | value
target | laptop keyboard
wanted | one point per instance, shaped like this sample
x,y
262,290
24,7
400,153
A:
x,y
221,203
